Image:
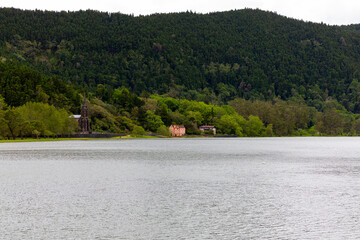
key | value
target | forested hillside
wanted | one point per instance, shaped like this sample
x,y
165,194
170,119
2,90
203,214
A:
x,y
214,57
248,72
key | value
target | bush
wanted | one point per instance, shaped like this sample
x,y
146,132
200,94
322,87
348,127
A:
x,y
163,131
138,130
209,132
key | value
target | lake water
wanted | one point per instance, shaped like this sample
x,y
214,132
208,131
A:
x,y
241,188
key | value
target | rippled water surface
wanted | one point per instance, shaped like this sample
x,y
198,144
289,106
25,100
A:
x,y
260,188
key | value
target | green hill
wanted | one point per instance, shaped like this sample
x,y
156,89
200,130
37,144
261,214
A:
x,y
250,54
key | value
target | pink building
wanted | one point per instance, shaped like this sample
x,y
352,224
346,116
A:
x,y
177,130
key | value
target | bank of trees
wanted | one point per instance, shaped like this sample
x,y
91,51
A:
x,y
241,117
34,120
156,113
128,113
289,118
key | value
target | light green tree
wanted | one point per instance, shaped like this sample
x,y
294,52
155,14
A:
x,y
11,124
229,124
46,118
138,130
153,121
254,127
163,131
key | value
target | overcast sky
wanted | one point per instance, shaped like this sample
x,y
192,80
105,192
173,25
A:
x,y
328,11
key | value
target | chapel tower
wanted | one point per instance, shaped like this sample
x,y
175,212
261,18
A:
x,y
84,119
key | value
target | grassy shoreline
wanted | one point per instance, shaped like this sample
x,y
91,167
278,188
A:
x,y
42,139
134,137
73,139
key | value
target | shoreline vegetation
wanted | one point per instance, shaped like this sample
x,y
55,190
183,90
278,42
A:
x,y
153,114
74,139
130,114
148,137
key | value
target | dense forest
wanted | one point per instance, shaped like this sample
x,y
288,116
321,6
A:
x,y
41,106
240,70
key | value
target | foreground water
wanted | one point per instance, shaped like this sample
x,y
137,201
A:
x,y
261,188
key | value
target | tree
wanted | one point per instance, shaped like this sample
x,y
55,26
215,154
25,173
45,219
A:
x,y
163,112
102,93
12,123
124,123
330,122
254,127
101,119
177,118
152,121
46,118
138,130
126,100
163,131
229,124
195,117
3,104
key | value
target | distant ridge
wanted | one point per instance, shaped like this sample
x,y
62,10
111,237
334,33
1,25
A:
x,y
246,53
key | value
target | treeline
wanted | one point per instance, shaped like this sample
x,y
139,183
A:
x,y
295,118
153,113
217,57
130,114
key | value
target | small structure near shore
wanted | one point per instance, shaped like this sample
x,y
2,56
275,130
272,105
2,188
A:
x,y
177,130
83,119
84,122
207,128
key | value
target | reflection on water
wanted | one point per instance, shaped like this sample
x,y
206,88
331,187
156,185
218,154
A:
x,y
246,188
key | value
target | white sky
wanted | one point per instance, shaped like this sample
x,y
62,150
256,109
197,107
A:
x,y
327,11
